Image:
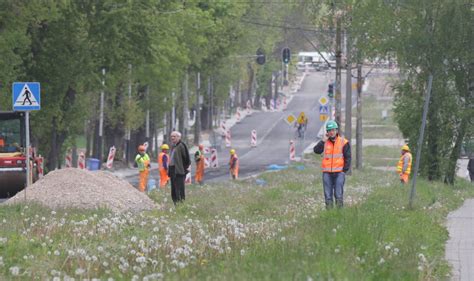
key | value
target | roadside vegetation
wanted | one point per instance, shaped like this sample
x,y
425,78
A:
x,y
270,228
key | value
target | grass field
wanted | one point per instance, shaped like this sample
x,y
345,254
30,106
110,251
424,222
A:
x,y
277,230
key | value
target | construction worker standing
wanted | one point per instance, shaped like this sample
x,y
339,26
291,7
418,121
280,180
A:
x,y
200,165
163,160
336,162
404,164
234,165
143,162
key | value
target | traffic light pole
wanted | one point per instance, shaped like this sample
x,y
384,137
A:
x,y
338,70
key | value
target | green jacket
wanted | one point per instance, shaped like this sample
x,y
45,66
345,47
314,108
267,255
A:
x,y
142,161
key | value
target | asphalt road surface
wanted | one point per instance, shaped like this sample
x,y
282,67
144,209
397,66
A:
x,y
273,133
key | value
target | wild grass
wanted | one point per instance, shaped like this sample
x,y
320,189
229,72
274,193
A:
x,y
277,230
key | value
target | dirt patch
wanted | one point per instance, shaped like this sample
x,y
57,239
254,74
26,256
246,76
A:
x,y
76,188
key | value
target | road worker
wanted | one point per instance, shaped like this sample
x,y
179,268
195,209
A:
x,y
336,152
200,165
143,162
234,164
404,164
163,161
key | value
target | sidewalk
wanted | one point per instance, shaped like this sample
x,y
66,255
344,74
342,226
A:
x,y
460,246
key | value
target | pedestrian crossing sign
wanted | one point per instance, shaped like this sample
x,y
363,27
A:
x,y
26,96
324,109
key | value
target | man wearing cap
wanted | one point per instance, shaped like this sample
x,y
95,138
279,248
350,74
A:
x,y
143,162
163,160
336,152
404,164
200,165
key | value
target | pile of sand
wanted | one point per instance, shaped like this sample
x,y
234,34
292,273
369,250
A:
x,y
76,188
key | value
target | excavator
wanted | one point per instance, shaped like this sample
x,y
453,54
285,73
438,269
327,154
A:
x,y
13,154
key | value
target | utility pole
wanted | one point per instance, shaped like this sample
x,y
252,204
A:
x,y
197,124
420,140
338,69
185,107
173,113
101,118
128,133
209,112
348,123
360,82
147,120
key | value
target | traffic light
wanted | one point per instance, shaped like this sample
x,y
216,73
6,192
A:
x,y
286,56
260,56
331,90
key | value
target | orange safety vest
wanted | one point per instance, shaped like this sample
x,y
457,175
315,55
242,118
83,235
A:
x,y
400,163
2,142
163,172
234,170
333,161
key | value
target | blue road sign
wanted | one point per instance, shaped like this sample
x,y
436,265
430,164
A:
x,y
324,109
26,96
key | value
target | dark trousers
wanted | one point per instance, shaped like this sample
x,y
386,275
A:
x,y
177,186
333,184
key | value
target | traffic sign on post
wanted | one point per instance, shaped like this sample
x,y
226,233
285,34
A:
x,y
26,96
323,100
290,119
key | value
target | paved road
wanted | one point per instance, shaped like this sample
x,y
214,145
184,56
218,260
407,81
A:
x,y
273,133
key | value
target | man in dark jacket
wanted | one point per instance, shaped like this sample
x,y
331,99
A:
x,y
178,167
336,162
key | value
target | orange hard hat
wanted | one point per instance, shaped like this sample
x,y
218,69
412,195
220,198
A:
x,y
141,148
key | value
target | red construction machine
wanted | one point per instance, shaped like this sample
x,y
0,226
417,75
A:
x,y
13,154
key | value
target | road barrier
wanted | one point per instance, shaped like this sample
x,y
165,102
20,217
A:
x,y
214,161
40,166
253,138
68,160
292,151
188,177
237,115
110,159
227,138
81,161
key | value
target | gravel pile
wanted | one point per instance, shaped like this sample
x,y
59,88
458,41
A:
x,y
76,188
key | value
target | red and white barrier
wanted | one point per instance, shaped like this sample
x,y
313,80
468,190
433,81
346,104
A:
x,y
253,138
237,115
68,159
207,162
292,151
278,105
223,127
285,105
249,106
187,180
272,105
110,158
81,161
214,161
227,138
40,166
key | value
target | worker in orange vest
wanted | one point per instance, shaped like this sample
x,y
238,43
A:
x,y
336,162
143,162
404,164
163,160
2,141
234,164
200,165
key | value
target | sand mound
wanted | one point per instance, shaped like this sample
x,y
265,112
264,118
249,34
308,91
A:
x,y
75,188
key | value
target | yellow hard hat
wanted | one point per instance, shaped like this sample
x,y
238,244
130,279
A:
x,y
232,151
405,147
165,146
